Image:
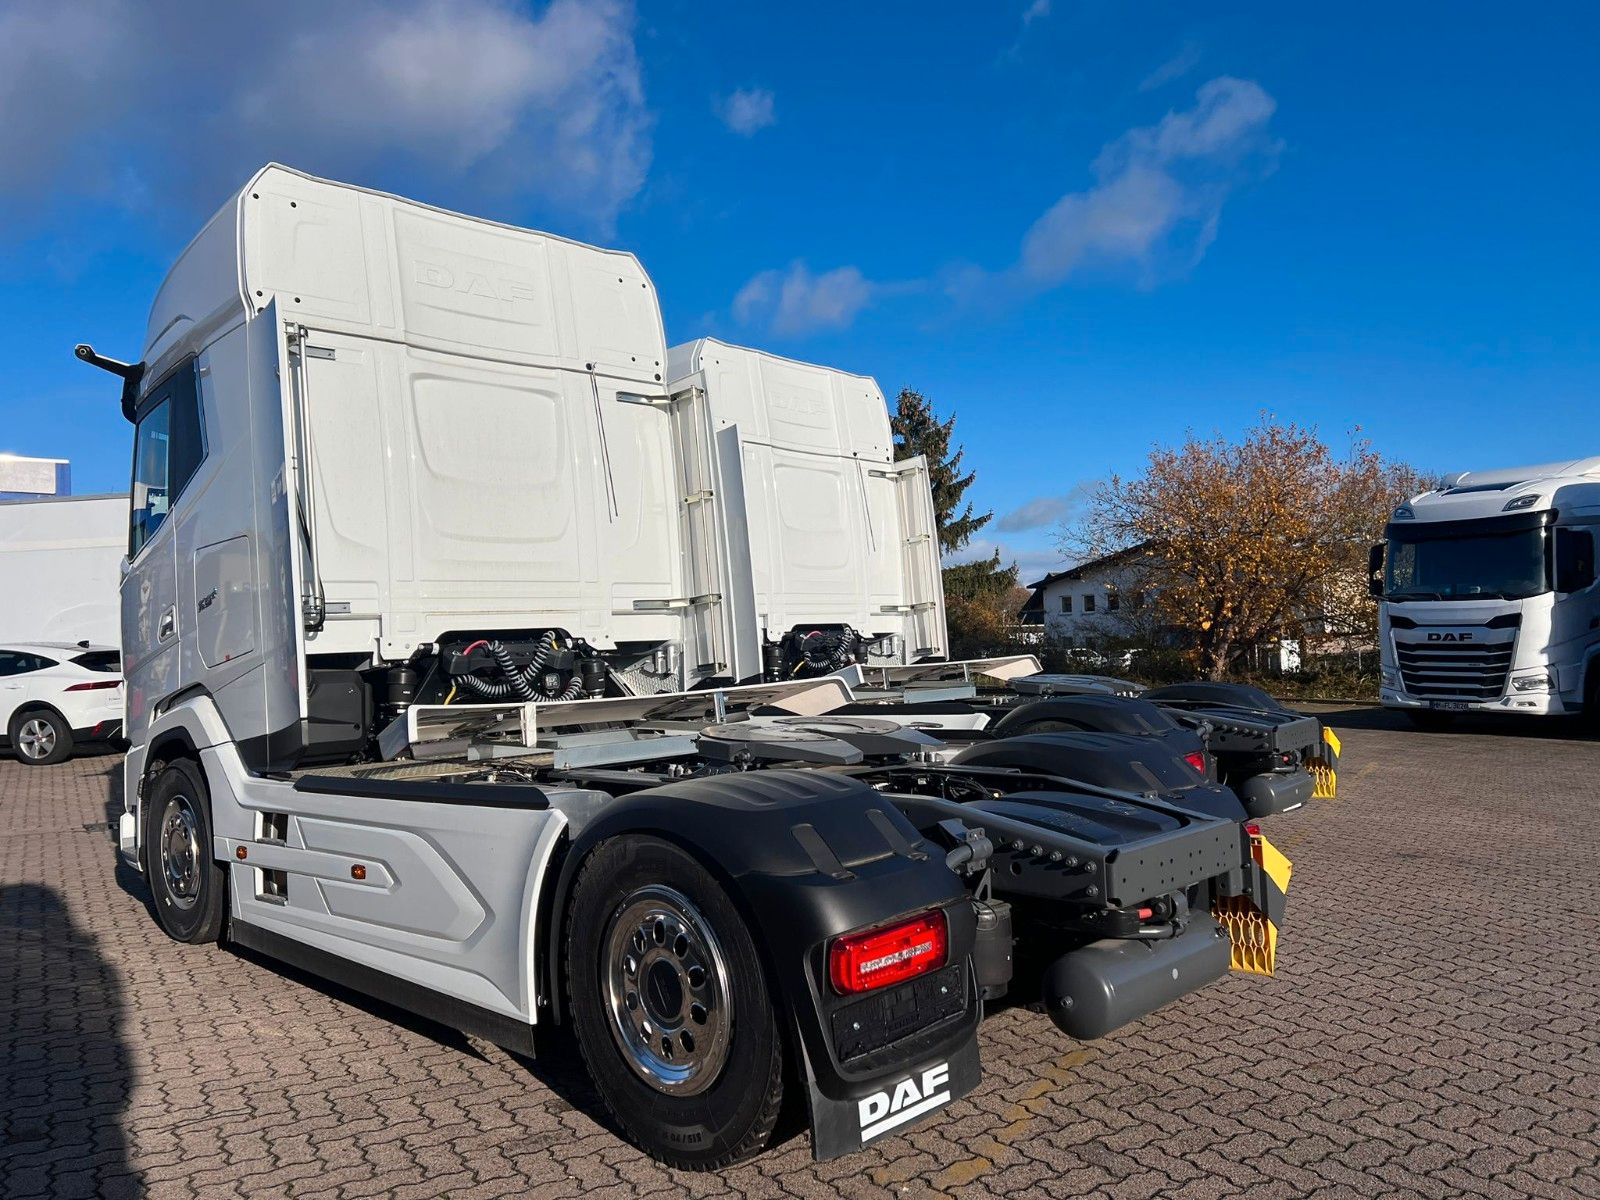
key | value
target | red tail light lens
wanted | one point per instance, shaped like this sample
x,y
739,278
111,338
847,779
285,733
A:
x,y
861,962
1197,760
97,686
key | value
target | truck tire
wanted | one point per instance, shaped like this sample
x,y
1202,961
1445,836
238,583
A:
x,y
671,1006
188,885
40,737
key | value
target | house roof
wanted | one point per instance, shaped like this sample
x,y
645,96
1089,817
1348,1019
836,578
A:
x,y
1082,569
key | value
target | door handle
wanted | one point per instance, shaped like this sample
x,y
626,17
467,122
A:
x,y
169,623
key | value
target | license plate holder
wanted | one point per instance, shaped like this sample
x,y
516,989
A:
x,y
1448,705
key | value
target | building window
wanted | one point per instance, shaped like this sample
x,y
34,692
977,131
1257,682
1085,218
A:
x,y
1066,604
1113,601
1088,604
1137,601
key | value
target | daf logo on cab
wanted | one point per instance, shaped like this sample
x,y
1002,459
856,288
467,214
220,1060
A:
x,y
1449,637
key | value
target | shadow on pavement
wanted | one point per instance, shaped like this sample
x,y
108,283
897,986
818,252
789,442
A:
x,y
1559,728
65,1071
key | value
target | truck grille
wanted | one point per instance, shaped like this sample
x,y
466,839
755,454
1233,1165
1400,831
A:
x,y
1454,671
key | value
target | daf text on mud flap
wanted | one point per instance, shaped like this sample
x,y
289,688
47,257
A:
x,y
886,1110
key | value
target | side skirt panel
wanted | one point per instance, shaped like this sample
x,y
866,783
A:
x,y
424,1002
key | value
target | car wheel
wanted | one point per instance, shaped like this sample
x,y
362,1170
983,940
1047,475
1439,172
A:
x,y
189,886
671,1006
40,738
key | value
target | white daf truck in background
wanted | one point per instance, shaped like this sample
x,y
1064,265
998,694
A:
x,y
1487,595
436,644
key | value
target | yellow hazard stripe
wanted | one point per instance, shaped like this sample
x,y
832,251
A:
x,y
1272,861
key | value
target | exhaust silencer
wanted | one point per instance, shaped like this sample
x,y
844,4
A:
x,y
1104,985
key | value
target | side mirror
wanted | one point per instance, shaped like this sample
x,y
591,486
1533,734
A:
x,y
1574,559
1375,570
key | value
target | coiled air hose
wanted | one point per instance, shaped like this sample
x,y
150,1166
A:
x,y
523,682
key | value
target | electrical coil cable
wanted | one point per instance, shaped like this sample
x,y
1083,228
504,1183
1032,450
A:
x,y
522,682
825,652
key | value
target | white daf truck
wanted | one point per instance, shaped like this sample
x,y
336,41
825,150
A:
x,y
434,689
1487,596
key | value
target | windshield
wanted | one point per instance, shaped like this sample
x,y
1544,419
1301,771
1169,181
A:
x,y
1507,566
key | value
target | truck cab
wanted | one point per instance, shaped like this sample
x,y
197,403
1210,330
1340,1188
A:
x,y
1487,596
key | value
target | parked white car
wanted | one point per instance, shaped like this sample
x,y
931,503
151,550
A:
x,y
55,695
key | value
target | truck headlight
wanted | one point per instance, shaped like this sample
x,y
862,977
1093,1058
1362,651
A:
x,y
1388,677
1532,683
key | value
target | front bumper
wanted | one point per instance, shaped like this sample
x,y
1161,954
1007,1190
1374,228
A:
x,y
1528,704
102,730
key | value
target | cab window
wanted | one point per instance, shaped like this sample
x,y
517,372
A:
x,y
168,445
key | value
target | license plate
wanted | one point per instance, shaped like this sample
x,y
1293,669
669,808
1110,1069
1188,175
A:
x,y
1448,705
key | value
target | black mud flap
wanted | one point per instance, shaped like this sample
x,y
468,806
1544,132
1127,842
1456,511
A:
x,y
869,1111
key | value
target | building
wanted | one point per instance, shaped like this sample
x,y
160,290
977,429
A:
x,y
34,478
1088,604
61,568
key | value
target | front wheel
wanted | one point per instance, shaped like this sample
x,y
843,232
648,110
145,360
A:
x,y
189,886
671,1007
40,738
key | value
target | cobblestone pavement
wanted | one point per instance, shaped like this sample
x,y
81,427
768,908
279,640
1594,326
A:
x,y
1431,1032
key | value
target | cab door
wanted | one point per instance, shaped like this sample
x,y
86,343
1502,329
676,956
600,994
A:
x,y
167,448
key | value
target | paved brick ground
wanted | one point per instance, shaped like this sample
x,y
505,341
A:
x,y
1432,1032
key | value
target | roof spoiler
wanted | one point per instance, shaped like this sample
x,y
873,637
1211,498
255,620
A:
x,y
129,373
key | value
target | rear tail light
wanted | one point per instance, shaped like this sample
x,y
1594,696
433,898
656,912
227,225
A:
x,y
861,962
97,686
1197,760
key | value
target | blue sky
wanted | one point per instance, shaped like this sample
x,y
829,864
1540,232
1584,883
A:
x,y
1084,227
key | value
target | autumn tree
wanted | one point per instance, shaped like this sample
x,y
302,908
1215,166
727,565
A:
x,y
1240,543
978,595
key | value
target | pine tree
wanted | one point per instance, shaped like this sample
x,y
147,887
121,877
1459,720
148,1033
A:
x,y
978,595
918,430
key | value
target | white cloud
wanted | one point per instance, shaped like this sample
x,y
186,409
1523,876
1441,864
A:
x,y
1176,67
61,65
1042,511
794,301
474,96
747,111
1036,11
1160,189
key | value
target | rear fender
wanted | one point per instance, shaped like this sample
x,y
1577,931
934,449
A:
x,y
806,856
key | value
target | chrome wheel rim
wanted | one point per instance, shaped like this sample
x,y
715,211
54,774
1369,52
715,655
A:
x,y
37,738
667,990
180,851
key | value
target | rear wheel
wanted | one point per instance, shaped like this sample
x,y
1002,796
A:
x,y
671,1006
189,886
40,738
